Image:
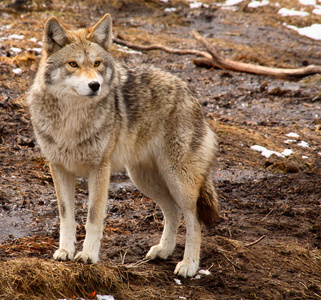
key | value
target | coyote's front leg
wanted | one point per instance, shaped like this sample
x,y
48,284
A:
x,y
65,190
98,182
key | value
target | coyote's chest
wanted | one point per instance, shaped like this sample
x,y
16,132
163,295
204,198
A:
x,y
74,137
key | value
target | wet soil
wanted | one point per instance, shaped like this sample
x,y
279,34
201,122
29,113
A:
x,y
273,201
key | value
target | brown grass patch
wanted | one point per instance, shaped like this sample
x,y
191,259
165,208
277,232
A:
x,y
47,279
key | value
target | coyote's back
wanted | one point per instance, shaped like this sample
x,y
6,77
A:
x,y
91,115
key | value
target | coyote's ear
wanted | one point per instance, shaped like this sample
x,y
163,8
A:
x,y
55,36
101,33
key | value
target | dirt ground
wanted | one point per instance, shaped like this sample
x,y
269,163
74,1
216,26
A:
x,y
267,244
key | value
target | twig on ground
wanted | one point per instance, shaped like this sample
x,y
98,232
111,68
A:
x,y
138,263
268,214
255,242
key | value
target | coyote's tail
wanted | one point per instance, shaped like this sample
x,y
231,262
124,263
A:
x,y
207,204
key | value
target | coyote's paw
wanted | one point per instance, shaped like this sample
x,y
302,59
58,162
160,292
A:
x,y
86,258
186,269
63,254
159,251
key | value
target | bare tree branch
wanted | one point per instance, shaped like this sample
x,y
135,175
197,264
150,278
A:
x,y
212,59
227,64
161,47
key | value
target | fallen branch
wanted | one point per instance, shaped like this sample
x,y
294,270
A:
x,y
212,59
227,64
161,47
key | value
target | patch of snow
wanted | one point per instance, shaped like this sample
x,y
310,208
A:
x,y
105,297
125,50
34,40
293,135
204,272
177,281
289,141
308,2
17,71
196,4
37,49
291,12
16,37
287,152
303,144
317,10
16,50
255,4
304,157
232,2
265,152
312,32
170,9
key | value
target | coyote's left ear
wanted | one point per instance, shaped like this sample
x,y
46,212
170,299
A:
x,y
55,36
101,33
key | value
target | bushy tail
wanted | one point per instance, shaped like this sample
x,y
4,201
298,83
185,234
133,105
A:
x,y
207,204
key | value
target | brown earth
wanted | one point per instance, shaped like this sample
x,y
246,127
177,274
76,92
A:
x,y
274,201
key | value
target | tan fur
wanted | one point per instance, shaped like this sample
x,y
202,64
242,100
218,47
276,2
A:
x,y
91,115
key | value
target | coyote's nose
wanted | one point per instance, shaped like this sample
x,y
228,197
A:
x,y
94,86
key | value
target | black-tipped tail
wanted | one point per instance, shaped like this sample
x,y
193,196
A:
x,y
207,204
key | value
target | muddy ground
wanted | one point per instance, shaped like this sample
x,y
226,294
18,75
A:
x,y
274,201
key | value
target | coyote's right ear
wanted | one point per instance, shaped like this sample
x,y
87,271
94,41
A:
x,y
101,33
55,36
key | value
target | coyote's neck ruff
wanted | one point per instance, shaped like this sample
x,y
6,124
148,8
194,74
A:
x,y
92,115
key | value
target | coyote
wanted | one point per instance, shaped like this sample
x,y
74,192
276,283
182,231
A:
x,y
91,115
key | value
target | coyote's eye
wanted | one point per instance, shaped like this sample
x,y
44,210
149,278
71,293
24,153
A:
x,y
73,64
97,63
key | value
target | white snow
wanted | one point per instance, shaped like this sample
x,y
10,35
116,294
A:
x,y
34,40
196,4
177,281
37,49
312,32
123,49
308,2
289,141
293,135
287,152
15,37
317,10
170,9
204,272
232,2
303,144
255,3
291,12
265,152
17,71
304,157
105,297
16,50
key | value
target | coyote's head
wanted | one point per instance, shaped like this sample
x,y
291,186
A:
x,y
78,62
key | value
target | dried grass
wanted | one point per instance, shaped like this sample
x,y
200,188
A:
x,y
36,278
